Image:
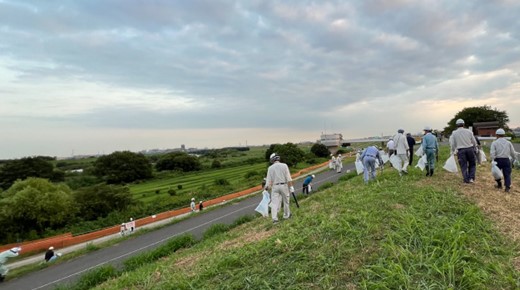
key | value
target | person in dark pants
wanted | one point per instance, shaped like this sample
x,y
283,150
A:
x,y
201,206
307,183
411,143
463,142
502,152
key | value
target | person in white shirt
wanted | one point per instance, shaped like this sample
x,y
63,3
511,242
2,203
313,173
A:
x,y
464,144
14,252
390,146
192,204
332,162
339,163
401,150
503,153
279,180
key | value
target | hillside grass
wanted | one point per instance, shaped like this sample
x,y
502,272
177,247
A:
x,y
396,233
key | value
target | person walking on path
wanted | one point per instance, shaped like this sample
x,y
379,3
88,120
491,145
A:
x,y
332,162
279,180
390,146
411,143
307,184
201,206
192,204
430,147
463,143
369,157
503,152
339,163
402,149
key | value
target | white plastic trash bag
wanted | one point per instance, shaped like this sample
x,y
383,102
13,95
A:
x,y
482,156
419,152
451,164
263,207
309,187
396,162
359,167
497,173
421,164
384,156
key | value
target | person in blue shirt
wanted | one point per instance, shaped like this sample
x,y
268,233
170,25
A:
x,y
431,149
368,157
307,184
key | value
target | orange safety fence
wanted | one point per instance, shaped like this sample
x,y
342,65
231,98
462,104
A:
x,y
66,240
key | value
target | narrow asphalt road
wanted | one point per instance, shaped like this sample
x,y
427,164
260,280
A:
x,y
69,271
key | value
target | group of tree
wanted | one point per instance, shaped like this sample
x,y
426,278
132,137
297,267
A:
x,y
472,115
34,206
39,166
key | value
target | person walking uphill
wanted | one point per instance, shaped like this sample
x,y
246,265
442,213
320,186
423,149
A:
x,y
463,143
401,149
411,143
280,182
369,157
430,147
503,152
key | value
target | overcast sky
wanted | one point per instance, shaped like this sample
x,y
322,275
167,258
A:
x,y
96,76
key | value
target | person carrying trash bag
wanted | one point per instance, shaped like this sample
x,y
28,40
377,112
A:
x,y
306,189
503,153
401,150
279,180
430,147
463,143
369,157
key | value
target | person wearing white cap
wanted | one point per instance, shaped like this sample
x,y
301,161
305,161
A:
x,y
503,153
462,142
307,184
49,254
279,180
430,147
401,150
192,204
13,252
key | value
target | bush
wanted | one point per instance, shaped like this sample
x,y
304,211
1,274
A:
x,y
221,182
157,191
172,192
216,164
179,187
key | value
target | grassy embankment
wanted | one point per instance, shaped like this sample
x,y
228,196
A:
x,y
397,233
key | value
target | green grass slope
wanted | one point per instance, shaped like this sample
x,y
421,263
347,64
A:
x,y
397,233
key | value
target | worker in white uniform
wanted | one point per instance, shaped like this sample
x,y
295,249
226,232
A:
x,y
280,183
401,150
503,153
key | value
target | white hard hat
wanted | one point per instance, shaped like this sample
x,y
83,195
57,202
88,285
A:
x,y
274,157
427,128
192,199
16,249
459,122
51,248
313,176
500,132
400,131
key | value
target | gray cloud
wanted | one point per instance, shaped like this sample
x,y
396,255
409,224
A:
x,y
257,64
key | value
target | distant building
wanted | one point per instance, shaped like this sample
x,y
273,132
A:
x,y
485,129
332,141
516,131
183,147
